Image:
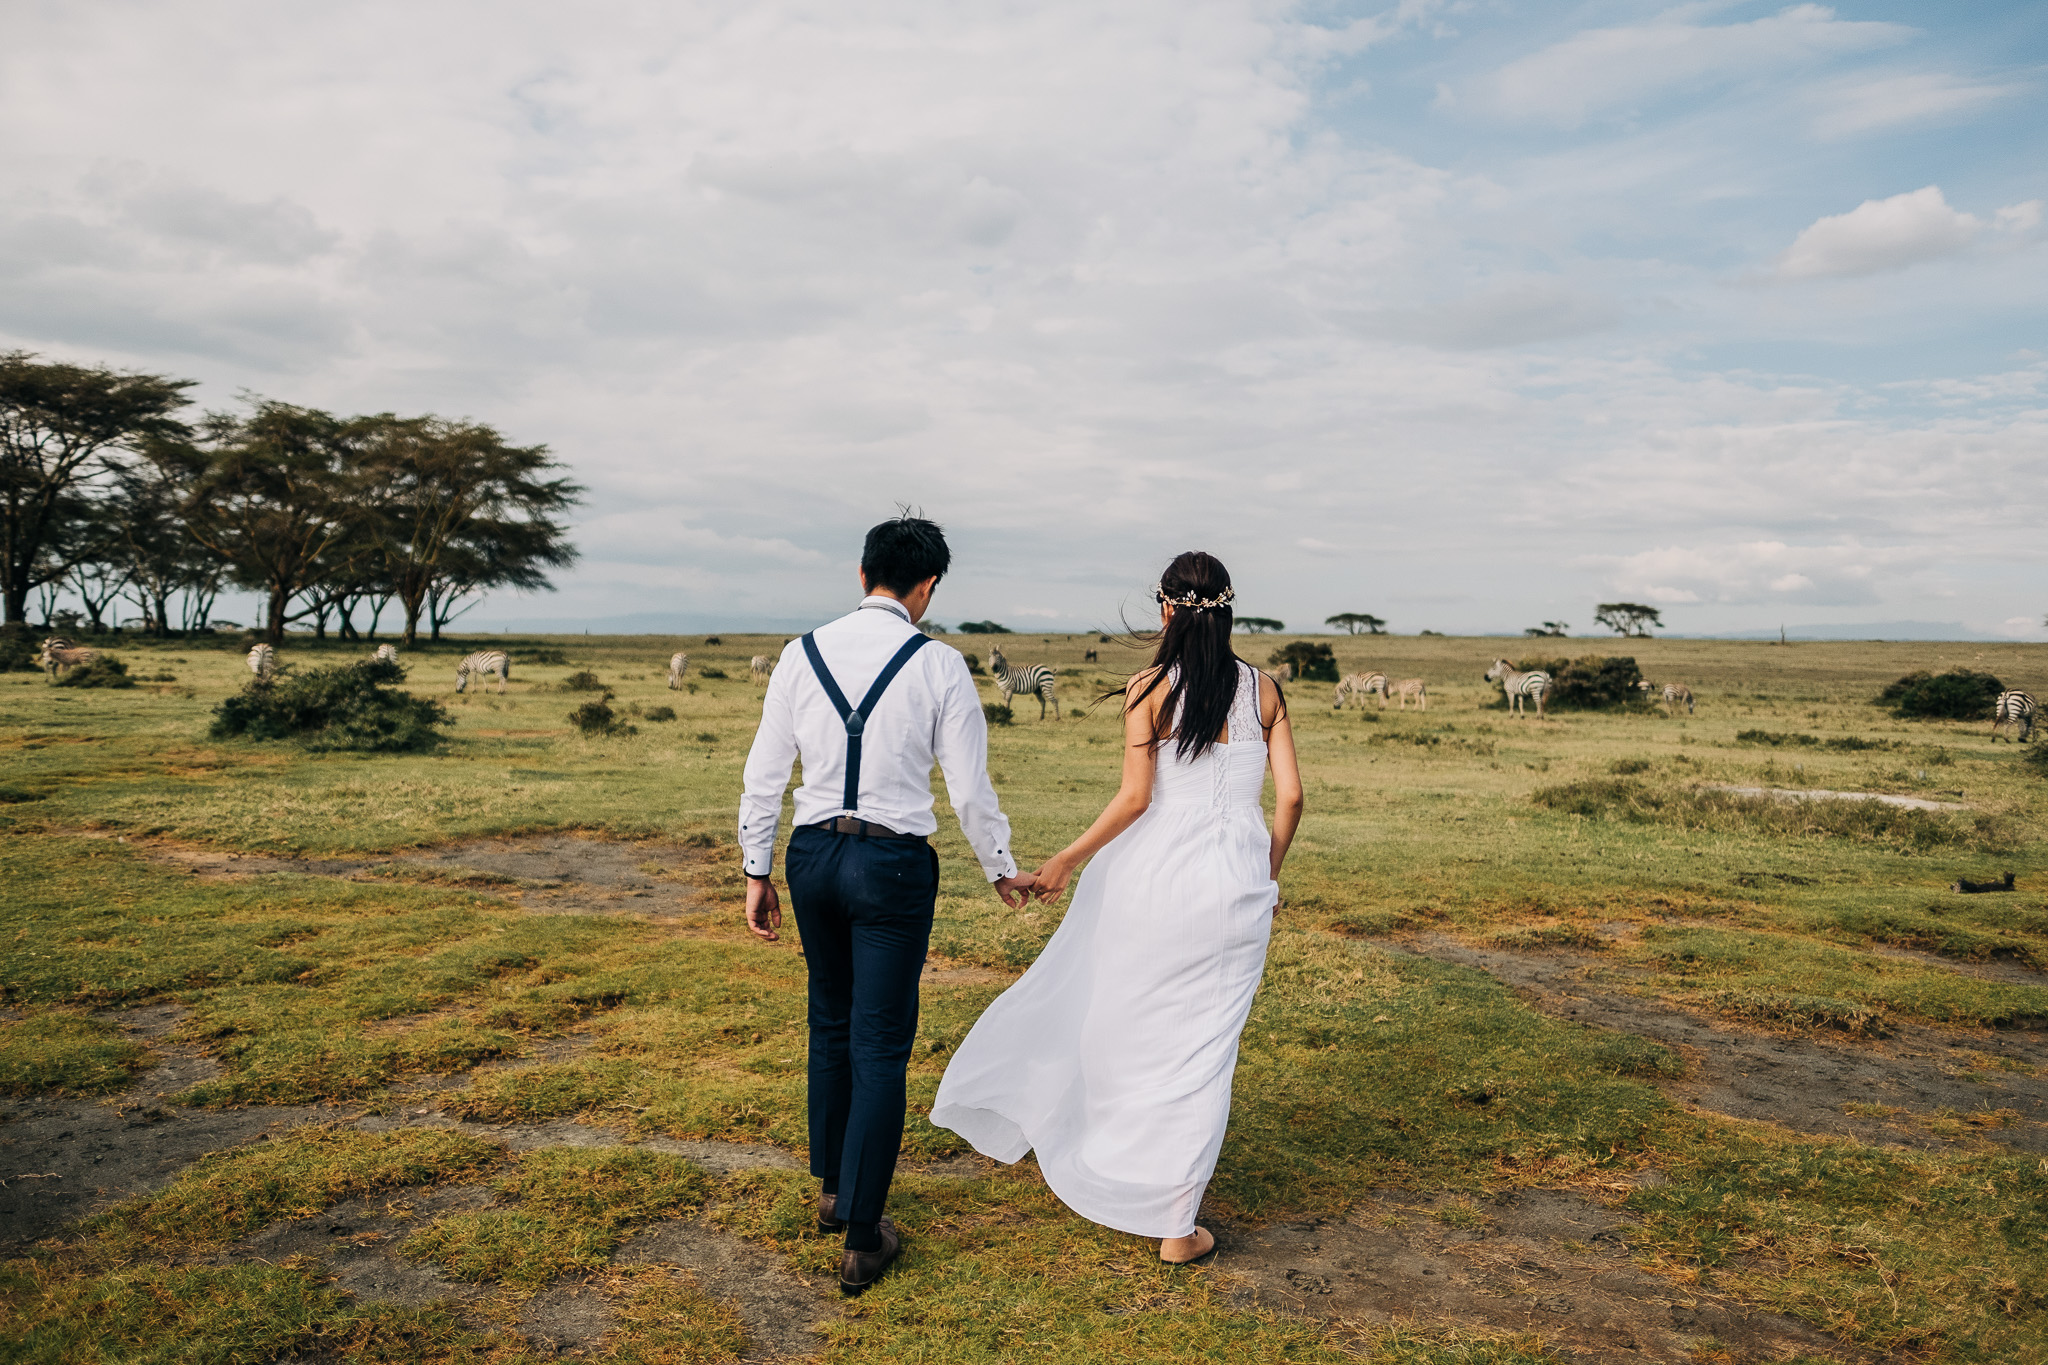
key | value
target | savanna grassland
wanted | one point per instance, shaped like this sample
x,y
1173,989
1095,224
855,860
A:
x,y
391,1018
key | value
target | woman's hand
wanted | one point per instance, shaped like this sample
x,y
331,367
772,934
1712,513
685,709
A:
x,y
1053,877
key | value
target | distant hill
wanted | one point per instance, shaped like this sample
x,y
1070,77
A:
x,y
645,623
1866,630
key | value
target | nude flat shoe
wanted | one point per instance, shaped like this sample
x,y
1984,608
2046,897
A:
x,y
1199,1257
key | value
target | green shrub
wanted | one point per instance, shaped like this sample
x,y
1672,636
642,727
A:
x,y
983,628
102,670
18,652
710,672
997,713
660,713
1959,694
348,706
596,718
586,681
1589,683
1841,743
1312,662
973,662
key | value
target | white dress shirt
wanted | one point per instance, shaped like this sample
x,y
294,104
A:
x,y
930,711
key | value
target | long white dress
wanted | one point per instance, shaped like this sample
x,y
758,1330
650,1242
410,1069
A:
x,y
1112,1056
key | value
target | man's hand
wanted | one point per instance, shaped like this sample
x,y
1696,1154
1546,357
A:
x,y
1018,886
764,908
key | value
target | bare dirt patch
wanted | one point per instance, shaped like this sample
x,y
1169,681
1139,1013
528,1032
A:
x,y
1822,794
782,1311
547,874
62,1159
1922,1087
1545,1262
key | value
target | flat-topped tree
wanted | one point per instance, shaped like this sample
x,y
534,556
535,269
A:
x,y
1260,625
1549,629
1628,618
1352,622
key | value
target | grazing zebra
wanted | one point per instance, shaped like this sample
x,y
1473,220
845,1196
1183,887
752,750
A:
x,y
1406,688
262,662
1360,685
759,667
385,654
59,653
1032,680
482,665
677,662
2015,709
1675,693
1519,686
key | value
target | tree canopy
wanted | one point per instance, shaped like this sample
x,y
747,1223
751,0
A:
x,y
1549,629
1628,618
1352,622
1260,625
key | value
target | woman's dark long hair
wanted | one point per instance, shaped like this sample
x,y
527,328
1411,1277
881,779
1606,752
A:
x,y
1193,661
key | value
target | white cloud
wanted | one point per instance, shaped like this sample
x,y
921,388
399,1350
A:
x,y
1758,571
1865,104
1614,69
1880,234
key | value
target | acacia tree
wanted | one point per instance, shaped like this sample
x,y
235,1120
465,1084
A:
x,y
1628,618
1258,625
1549,629
279,494
63,430
459,512
1351,622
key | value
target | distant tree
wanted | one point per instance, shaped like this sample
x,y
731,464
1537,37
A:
x,y
1351,622
63,430
1313,662
1549,629
1255,625
458,511
1628,618
983,628
1429,632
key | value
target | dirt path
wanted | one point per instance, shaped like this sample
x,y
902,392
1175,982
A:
x,y
1545,1262
1812,1084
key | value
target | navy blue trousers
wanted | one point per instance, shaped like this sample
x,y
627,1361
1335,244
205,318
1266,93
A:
x,y
864,908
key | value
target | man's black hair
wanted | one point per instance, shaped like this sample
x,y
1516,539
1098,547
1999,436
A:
x,y
903,552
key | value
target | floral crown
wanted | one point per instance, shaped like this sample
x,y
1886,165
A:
x,y
1188,599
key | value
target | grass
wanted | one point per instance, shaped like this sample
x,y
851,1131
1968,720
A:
x,y
1361,1068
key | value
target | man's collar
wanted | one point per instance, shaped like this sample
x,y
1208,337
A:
x,y
881,603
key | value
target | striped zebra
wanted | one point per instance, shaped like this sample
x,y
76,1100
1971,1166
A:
x,y
1520,686
2014,709
1406,689
1676,694
262,662
677,662
1360,685
59,654
385,654
759,667
1032,680
482,665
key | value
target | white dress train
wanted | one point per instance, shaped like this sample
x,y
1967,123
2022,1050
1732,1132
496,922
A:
x,y
1112,1056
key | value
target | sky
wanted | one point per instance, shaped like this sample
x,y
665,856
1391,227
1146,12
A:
x,y
1468,315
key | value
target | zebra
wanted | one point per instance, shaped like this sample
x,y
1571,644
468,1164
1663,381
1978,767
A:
x,y
262,662
2013,708
59,653
1090,658
759,667
385,654
1406,688
482,665
1519,686
1032,680
1675,693
1360,685
677,662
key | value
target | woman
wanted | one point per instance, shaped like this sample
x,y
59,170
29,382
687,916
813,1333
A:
x,y
1112,1056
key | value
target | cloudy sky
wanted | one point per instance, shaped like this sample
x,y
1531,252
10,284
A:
x,y
1466,314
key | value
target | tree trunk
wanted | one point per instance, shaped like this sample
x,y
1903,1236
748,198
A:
x,y
274,628
412,620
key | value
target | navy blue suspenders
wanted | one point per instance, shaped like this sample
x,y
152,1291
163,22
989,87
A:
x,y
856,719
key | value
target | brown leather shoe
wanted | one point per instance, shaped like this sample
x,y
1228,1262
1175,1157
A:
x,y
828,1214
858,1270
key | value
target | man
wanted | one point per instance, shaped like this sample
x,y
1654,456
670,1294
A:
x,y
868,707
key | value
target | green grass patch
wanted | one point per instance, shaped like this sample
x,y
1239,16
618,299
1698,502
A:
x,y
1707,810
59,1051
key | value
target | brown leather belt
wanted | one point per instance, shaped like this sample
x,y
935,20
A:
x,y
866,829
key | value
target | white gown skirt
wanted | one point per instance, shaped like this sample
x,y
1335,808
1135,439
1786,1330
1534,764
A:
x,y
1112,1056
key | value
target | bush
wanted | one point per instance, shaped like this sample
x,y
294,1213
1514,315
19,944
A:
x,y
983,628
1841,743
973,662
104,670
2037,759
997,713
1959,694
349,706
1312,662
710,672
659,713
18,652
1589,683
596,719
586,681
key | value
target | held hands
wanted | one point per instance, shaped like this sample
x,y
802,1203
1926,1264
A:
x,y
764,908
1053,877
1019,886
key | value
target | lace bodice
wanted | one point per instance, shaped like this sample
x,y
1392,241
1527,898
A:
x,y
1227,777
